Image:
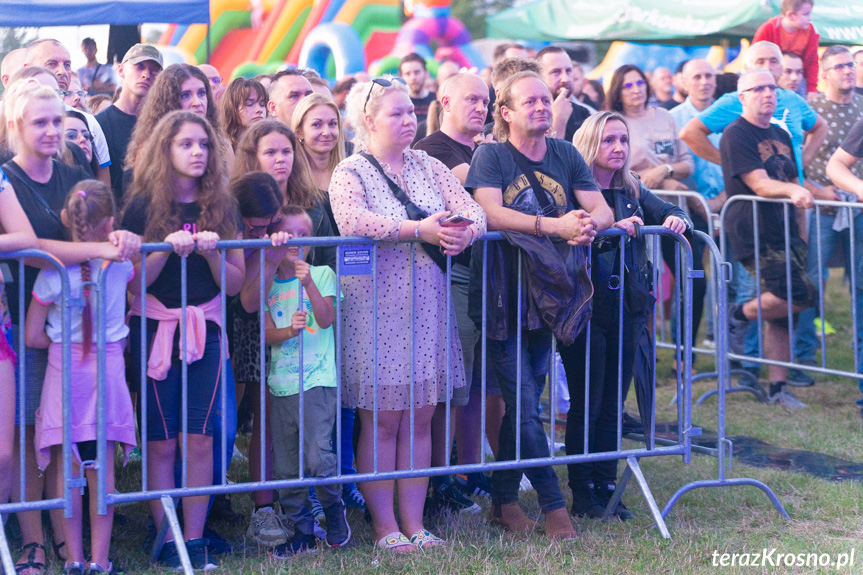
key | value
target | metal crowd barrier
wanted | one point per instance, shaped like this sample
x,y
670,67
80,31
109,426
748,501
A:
x,y
360,256
64,501
853,211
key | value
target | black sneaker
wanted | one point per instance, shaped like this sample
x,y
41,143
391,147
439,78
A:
x,y
799,378
631,424
447,498
299,544
604,493
222,511
586,504
169,557
217,544
199,557
338,530
474,484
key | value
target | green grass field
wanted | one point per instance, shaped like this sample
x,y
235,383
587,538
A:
x,y
825,515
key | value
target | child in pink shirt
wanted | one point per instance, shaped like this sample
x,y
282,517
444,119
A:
x,y
793,32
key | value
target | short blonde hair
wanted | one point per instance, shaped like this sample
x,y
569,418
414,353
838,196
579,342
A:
x,y
358,107
17,98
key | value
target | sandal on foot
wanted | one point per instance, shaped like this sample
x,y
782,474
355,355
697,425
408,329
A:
x,y
58,547
395,541
31,563
423,537
96,568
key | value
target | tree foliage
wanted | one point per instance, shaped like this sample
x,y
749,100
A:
x,y
14,38
474,12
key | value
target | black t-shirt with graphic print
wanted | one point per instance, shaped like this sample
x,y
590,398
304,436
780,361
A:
x,y
745,148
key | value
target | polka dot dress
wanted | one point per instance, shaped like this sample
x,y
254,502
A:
x,y
363,205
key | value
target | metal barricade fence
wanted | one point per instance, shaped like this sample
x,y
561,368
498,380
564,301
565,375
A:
x,y
853,217
64,499
361,254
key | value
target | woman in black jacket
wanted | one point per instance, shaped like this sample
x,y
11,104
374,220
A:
x,y
603,141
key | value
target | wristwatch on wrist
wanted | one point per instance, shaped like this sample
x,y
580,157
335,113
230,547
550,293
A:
x,y
670,170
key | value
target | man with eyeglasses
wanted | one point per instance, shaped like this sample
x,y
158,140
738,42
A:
x,y
217,84
75,96
830,228
757,160
52,55
138,70
555,196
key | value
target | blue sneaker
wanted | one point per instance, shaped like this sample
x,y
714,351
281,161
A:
x,y
316,507
199,555
353,498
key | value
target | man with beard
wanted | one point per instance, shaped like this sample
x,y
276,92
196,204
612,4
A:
x,y
556,72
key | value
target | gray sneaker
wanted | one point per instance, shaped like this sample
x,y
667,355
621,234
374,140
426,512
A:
x,y
338,530
785,398
799,378
266,529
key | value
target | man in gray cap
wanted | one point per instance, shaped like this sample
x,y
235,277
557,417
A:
x,y
140,66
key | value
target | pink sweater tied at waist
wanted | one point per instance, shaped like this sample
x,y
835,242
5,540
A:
x,y
159,361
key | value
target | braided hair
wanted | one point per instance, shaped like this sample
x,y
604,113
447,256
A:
x,y
87,206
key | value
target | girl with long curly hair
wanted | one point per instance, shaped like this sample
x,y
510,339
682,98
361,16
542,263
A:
x,y
180,197
178,87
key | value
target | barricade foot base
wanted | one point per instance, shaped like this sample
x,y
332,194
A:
x,y
633,469
726,483
5,554
171,521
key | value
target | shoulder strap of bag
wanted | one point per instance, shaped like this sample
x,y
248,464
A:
x,y
400,195
11,166
522,162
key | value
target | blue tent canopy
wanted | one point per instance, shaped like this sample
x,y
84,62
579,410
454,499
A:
x,y
36,13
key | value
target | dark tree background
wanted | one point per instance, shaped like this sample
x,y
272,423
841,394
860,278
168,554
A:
x,y
474,12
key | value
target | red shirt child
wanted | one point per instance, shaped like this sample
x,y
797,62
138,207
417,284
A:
x,y
793,32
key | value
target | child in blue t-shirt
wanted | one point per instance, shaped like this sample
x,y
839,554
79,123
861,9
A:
x,y
286,321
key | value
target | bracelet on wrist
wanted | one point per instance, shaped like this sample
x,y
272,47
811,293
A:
x,y
417,231
536,231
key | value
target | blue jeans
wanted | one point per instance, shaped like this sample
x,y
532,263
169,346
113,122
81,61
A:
x,y
746,290
805,339
534,356
347,446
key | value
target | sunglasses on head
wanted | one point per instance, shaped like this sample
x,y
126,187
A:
x,y
266,229
383,82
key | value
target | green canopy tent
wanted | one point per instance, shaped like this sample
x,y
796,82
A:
x,y
701,22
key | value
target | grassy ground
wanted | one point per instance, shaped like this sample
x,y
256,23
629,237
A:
x,y
825,516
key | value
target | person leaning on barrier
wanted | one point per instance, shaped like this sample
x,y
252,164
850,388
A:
x,y
757,160
465,100
363,195
603,141
829,229
575,212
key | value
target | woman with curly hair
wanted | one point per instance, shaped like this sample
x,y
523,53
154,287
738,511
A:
x,y
180,196
178,87
244,103
270,146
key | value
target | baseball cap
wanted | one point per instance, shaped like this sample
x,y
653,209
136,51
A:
x,y
141,53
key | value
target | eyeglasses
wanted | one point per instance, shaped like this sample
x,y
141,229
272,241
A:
x,y
69,93
383,82
267,229
72,134
216,80
761,89
631,85
845,66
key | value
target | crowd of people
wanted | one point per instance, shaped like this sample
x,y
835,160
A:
x,y
527,147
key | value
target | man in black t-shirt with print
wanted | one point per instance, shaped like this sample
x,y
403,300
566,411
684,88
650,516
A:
x,y
464,99
413,69
577,211
138,71
758,160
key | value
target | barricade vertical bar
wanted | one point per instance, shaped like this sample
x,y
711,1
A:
x,y
375,358
142,393
788,300
585,443
22,387
853,273
449,389
184,372
820,283
223,360
5,555
338,341
681,363
552,394
101,389
483,352
518,373
655,280
301,429
411,323
687,346
622,271
67,393
757,234
262,391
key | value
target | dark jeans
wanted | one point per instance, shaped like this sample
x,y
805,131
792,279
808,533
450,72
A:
x,y
504,356
603,397
699,286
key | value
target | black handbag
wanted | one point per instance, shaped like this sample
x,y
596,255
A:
x,y
414,212
638,280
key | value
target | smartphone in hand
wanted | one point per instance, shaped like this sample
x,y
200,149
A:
x,y
455,220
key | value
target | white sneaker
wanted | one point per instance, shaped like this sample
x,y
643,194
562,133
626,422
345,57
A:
x,y
785,398
266,529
